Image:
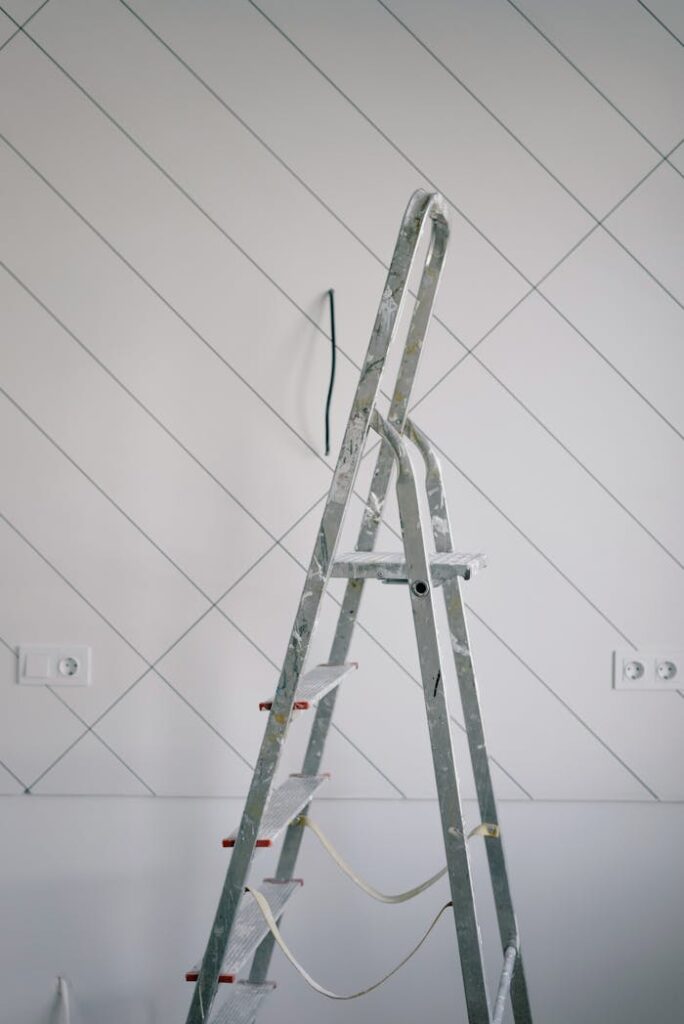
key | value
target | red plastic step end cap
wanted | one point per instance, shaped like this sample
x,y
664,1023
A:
x,y
229,843
299,705
225,979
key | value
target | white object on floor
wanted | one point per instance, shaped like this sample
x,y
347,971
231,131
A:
x,y
62,1013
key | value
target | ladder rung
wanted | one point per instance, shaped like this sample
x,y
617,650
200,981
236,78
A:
x,y
250,928
242,1004
285,804
314,685
381,565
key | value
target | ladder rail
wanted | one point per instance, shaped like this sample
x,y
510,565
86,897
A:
x,y
370,523
436,704
504,988
467,683
422,207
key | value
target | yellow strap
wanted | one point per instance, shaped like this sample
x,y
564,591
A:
x,y
265,909
487,830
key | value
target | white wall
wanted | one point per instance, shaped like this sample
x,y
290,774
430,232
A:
x,y
181,184
116,895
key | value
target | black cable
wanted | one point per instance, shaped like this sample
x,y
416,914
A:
x,y
333,360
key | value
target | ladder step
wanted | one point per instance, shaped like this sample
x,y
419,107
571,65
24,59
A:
x,y
285,804
242,1004
391,568
250,928
314,685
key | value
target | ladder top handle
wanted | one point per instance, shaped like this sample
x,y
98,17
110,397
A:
x,y
422,206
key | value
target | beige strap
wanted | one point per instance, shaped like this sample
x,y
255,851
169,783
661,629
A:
x,y
382,897
265,909
487,830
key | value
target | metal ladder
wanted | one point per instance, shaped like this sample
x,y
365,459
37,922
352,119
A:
x,y
239,932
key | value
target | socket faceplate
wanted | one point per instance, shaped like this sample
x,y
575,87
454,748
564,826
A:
x,y
655,668
53,665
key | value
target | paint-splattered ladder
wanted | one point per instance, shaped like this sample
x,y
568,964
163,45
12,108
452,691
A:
x,y
239,932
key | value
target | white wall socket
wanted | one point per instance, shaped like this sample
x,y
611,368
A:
x,y
53,665
660,668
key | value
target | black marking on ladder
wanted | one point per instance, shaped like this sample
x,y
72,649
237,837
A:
x,y
437,682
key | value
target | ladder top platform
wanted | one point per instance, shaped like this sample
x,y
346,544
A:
x,y
391,567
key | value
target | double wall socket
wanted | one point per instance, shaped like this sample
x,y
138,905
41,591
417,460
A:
x,y
53,665
659,668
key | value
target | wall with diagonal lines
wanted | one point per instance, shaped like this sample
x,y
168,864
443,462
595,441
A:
x,y
180,185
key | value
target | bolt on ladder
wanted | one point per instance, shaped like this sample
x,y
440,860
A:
x,y
239,932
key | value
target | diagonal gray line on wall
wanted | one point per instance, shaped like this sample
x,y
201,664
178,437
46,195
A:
x,y
105,369
565,704
255,263
118,632
374,639
584,76
101,490
152,668
660,22
54,693
166,302
521,660
664,156
104,744
216,96
19,25
154,665
532,544
502,124
420,171
364,629
635,519
488,370
563,317
535,675
14,776
57,760
200,209
273,153
88,730
2,47
277,667
2,763
212,605
81,344
277,541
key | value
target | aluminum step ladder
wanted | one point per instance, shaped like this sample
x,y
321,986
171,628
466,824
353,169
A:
x,y
239,933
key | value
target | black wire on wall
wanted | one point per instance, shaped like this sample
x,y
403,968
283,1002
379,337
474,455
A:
x,y
333,361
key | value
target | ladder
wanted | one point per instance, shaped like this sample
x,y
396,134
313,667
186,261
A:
x,y
239,932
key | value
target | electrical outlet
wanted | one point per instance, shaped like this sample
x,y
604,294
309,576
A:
x,y
658,668
53,665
